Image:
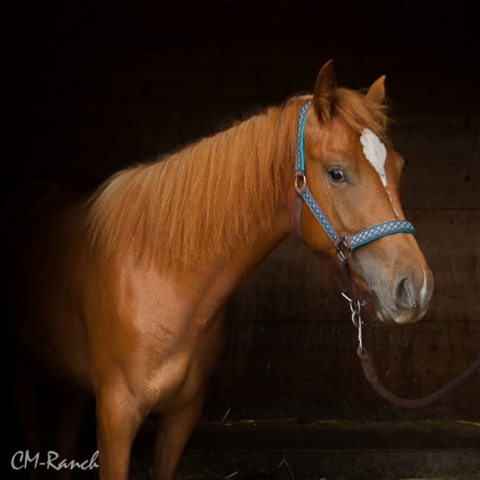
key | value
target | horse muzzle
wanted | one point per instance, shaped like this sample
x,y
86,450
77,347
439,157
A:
x,y
408,300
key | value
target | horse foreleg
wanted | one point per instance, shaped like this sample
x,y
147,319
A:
x,y
172,433
118,420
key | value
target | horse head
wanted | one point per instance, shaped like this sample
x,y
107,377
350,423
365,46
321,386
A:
x,y
354,173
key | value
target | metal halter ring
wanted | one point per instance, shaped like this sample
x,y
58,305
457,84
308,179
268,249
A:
x,y
300,182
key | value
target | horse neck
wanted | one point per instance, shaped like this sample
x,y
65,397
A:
x,y
250,255
214,282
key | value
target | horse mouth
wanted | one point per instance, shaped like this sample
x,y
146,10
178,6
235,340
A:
x,y
395,314
382,313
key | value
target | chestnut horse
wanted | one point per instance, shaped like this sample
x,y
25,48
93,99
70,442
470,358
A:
x,y
120,291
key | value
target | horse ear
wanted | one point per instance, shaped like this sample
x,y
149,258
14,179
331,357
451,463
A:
x,y
376,93
325,88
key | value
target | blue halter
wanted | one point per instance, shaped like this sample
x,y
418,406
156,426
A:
x,y
343,244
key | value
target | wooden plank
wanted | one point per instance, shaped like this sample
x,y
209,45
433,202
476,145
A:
x,y
326,335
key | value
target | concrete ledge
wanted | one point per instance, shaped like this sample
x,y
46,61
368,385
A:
x,y
286,449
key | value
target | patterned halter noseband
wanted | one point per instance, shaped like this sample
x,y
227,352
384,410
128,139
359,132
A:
x,y
343,244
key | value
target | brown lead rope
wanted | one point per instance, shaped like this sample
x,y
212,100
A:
x,y
371,374
372,377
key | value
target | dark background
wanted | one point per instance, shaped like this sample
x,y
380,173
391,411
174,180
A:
x,y
93,87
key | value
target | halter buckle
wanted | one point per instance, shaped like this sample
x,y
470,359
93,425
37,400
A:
x,y
344,249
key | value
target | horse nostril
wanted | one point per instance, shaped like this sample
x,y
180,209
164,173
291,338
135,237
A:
x,y
404,293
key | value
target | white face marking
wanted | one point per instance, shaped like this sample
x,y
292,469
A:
x,y
376,153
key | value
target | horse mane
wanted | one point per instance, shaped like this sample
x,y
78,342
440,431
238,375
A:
x,y
181,210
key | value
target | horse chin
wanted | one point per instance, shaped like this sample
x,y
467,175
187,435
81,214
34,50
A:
x,y
392,314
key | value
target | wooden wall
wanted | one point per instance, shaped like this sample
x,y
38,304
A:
x,y
102,85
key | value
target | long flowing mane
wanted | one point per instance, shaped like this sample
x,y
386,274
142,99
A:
x,y
182,209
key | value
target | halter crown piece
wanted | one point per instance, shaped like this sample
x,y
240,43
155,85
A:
x,y
343,244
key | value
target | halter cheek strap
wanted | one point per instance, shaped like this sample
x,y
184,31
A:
x,y
346,243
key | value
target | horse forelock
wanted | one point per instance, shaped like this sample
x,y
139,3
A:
x,y
197,203
360,113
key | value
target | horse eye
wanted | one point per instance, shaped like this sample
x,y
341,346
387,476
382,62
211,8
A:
x,y
336,175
